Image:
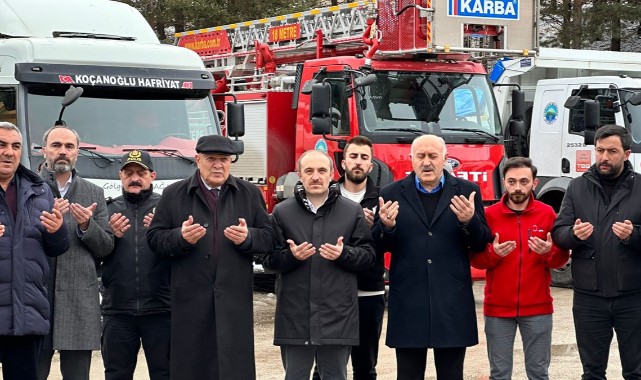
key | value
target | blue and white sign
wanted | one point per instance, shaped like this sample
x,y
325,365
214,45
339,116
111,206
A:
x,y
321,145
551,112
499,9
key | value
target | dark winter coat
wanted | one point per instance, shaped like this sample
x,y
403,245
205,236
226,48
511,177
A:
x,y
431,303
135,279
371,279
602,265
211,284
318,298
24,270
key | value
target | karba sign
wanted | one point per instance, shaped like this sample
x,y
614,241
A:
x,y
499,9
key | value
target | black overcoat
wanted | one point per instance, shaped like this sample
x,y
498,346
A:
x,y
212,332
431,303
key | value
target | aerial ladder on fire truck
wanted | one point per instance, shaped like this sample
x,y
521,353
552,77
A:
x,y
248,54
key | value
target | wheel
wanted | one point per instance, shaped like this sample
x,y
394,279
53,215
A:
x,y
562,277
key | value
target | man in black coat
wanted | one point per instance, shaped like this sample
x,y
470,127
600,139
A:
x,y
31,229
430,221
211,225
135,292
356,185
599,221
322,241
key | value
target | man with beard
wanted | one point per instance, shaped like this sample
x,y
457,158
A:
x,y
136,300
600,222
356,185
430,222
322,240
73,286
518,263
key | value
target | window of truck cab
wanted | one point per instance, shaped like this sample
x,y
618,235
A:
x,y
111,117
339,106
409,103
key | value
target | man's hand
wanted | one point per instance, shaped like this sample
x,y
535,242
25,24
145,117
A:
x,y
463,207
623,230
1,230
539,245
146,221
582,230
192,232
387,212
369,216
82,215
119,224
51,221
302,251
331,251
503,249
62,205
237,234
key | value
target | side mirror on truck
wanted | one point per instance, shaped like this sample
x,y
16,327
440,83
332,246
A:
x,y
592,112
236,126
71,95
518,104
320,108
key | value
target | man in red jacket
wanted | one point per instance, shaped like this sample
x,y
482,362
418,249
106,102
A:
x,y
518,262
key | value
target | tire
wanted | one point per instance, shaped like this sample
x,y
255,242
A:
x,y
562,277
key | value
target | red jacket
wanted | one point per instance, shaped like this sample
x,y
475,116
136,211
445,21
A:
x,y
518,284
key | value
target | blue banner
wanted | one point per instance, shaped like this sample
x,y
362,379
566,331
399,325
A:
x,y
499,9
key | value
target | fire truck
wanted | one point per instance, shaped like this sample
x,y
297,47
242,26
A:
x,y
388,70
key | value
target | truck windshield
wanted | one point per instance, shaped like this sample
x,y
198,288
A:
x,y
447,104
632,115
113,120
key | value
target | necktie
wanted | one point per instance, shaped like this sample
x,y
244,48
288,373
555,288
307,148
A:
x,y
215,192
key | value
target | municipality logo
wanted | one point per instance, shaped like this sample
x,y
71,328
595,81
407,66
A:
x,y
551,112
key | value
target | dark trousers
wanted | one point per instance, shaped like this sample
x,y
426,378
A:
x,y
595,318
19,356
331,361
365,355
411,363
74,364
122,336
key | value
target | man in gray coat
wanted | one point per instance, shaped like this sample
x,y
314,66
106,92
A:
x,y
73,286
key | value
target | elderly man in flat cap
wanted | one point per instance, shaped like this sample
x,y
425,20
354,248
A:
x,y
211,225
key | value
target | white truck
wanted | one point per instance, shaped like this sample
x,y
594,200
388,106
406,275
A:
x,y
558,139
138,93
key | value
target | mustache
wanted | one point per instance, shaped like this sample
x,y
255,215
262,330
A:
x,y
135,183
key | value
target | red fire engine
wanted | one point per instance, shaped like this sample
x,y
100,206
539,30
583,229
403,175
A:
x,y
311,80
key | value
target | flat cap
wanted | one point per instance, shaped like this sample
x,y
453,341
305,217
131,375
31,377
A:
x,y
215,144
139,157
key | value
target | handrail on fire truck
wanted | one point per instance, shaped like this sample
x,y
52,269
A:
x,y
282,39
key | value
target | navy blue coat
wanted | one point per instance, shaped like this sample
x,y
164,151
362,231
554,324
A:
x,y
431,303
24,269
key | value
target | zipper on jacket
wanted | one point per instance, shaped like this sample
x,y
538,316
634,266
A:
x,y
135,223
518,286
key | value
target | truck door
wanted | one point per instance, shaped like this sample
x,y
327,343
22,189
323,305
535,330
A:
x,y
547,140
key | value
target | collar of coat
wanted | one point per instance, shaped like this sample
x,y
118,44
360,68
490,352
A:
x,y
594,175
371,190
194,182
301,196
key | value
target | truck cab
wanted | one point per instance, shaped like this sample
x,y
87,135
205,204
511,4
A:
x,y
137,93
